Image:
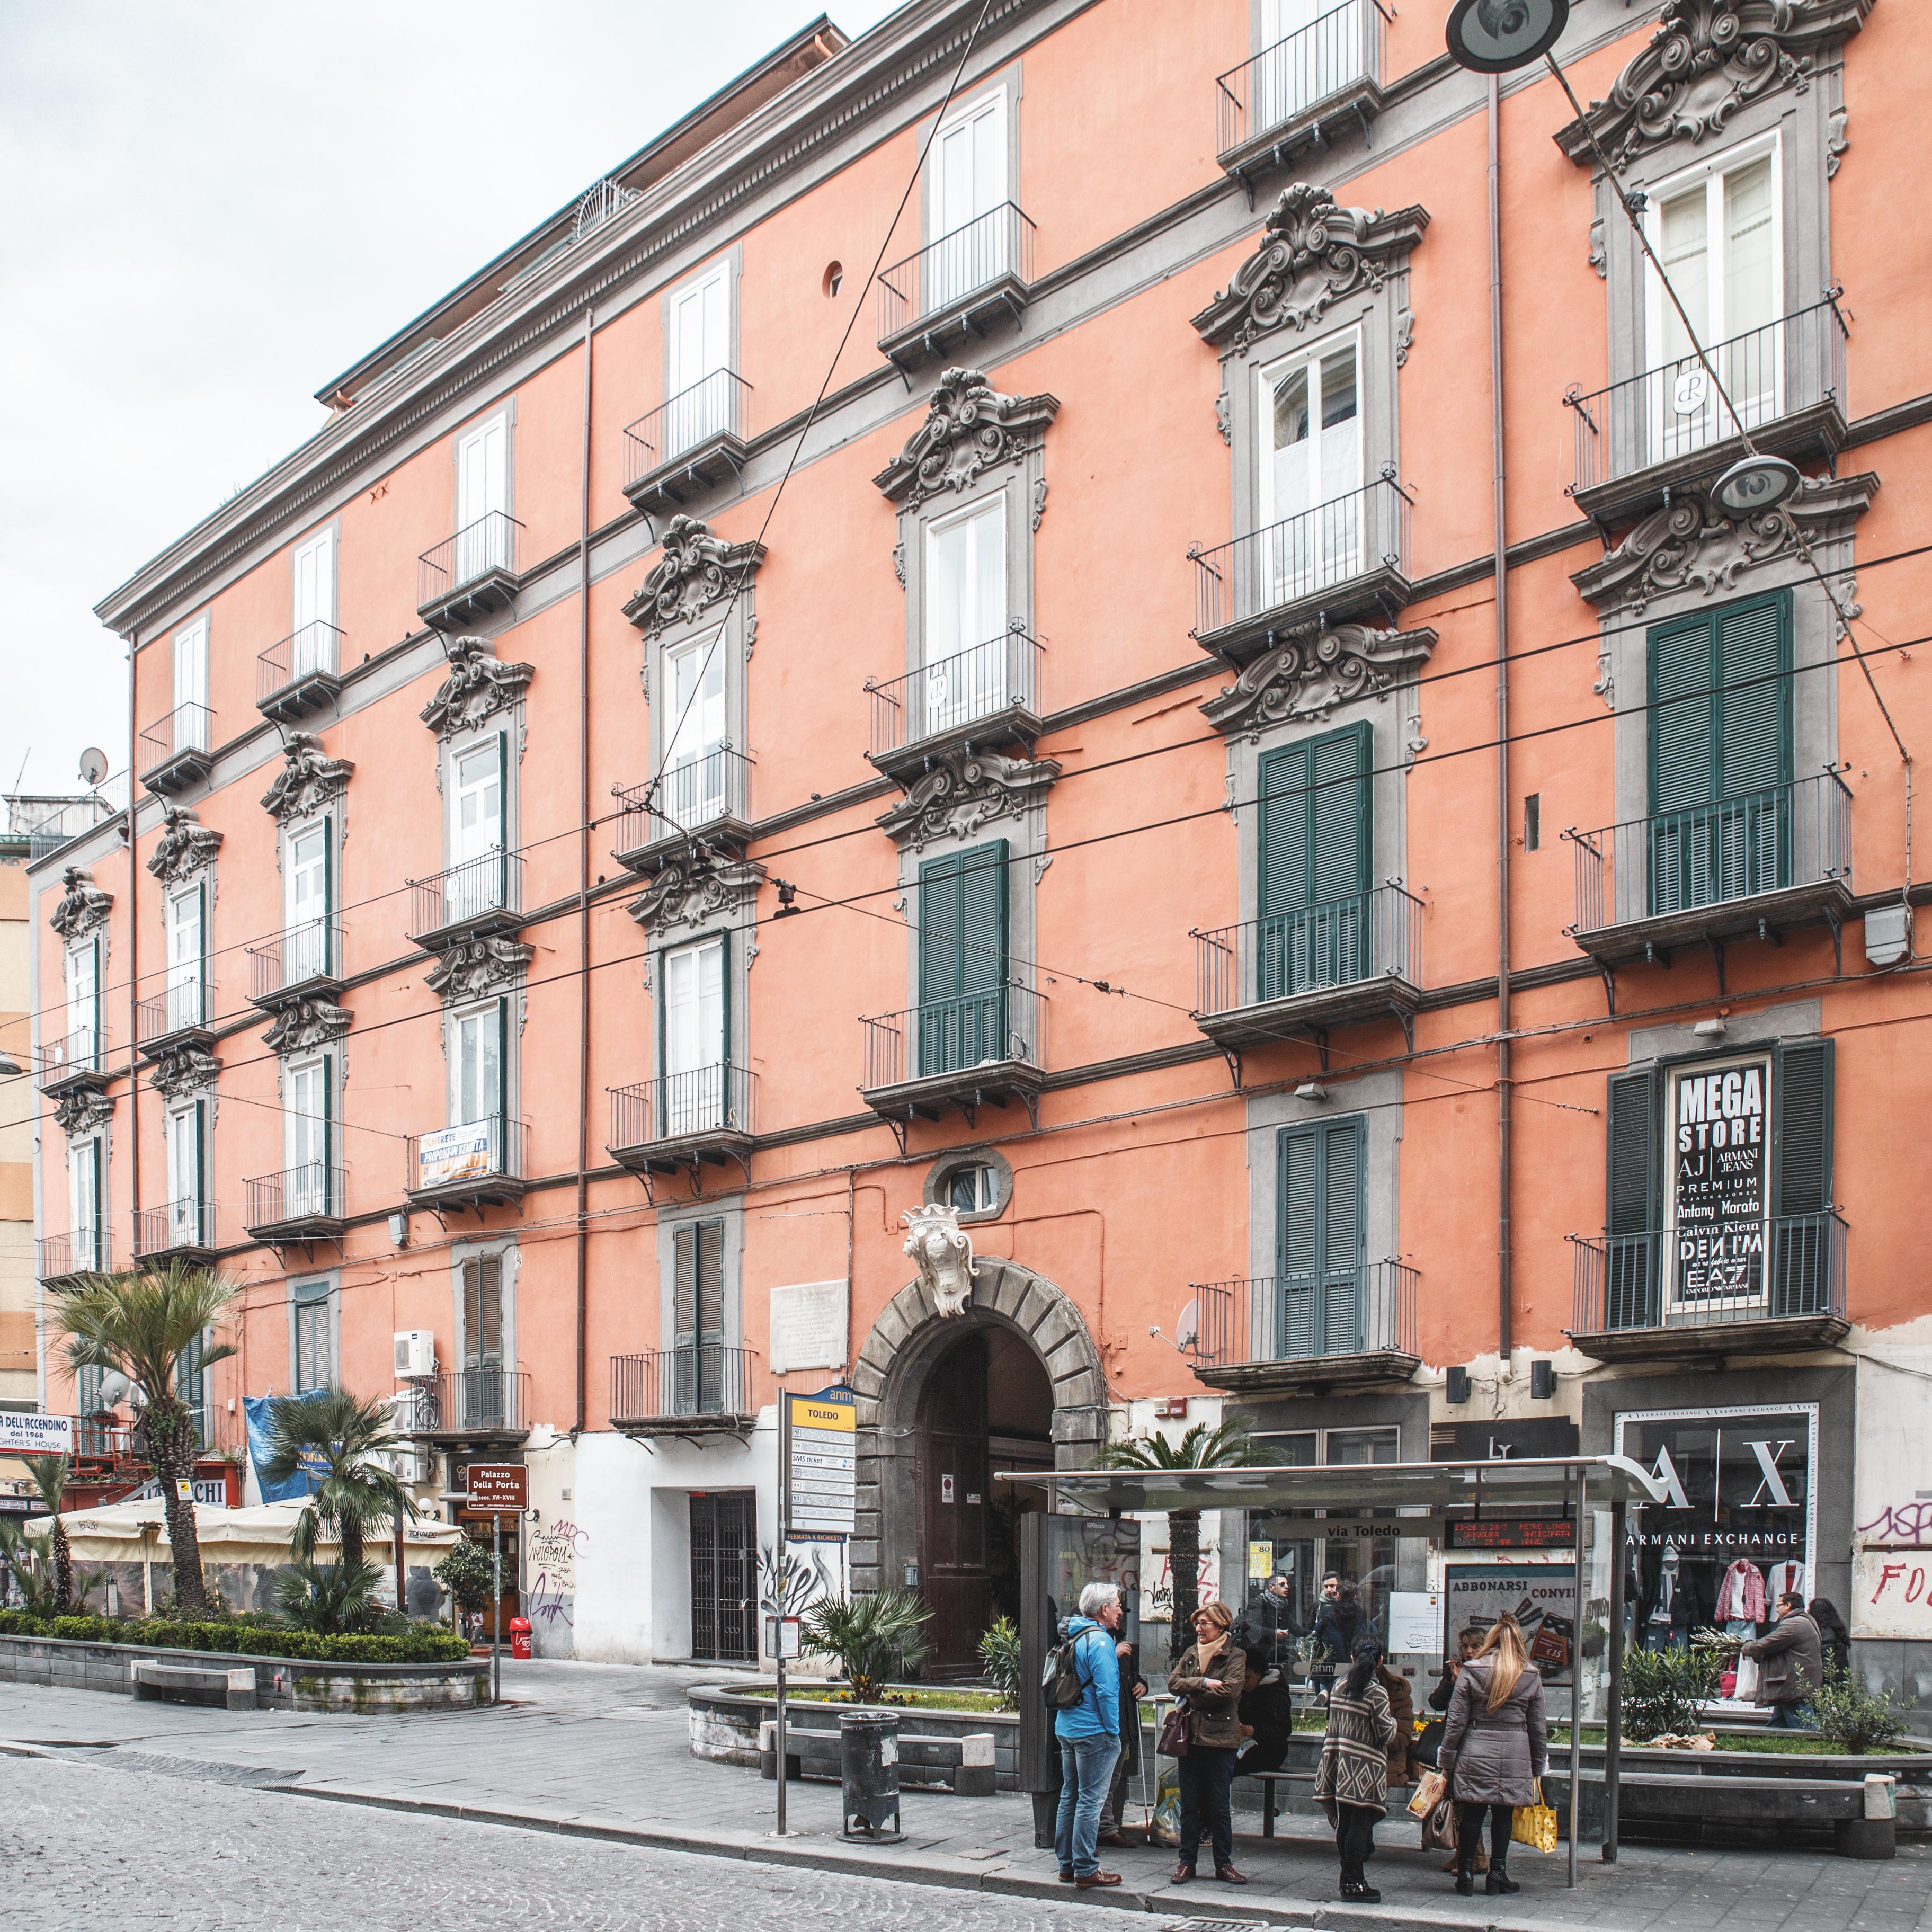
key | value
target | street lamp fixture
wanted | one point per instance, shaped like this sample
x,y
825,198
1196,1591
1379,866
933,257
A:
x,y
1754,484
1498,36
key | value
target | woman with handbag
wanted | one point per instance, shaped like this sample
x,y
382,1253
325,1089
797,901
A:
x,y
1206,1727
1352,1781
1496,1745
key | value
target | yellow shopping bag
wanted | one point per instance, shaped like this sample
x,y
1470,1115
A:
x,y
1535,1825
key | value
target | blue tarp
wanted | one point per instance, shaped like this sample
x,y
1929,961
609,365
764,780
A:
x,y
259,1410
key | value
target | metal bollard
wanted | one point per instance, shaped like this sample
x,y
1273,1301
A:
x,y
869,1760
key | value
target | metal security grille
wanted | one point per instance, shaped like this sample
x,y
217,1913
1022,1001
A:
x,y
724,1578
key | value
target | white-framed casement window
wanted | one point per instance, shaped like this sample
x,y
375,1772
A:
x,y
1309,50
483,500
1718,229
186,916
964,647
476,882
1309,489
311,1335
308,1137
698,386
308,902
312,612
971,242
191,718
86,1230
694,688
185,1134
696,1041
81,968
476,1066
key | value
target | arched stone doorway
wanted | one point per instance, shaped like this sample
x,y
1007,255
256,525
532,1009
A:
x,y
1013,1381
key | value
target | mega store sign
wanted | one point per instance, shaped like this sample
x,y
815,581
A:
x,y
1720,1183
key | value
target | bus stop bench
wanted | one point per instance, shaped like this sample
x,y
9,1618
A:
x,y
1269,1781
965,1763
1770,1807
192,1683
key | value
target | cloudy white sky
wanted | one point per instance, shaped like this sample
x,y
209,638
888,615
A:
x,y
211,209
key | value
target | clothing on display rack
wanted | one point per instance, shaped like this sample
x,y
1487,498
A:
x,y
1780,1578
1740,1596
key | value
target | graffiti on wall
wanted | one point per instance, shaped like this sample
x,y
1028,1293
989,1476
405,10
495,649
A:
x,y
553,1551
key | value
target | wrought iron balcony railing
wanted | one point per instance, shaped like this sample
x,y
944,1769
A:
x,y
467,1157
1365,1308
1006,1024
673,1385
307,955
487,889
716,405
80,1251
1783,1267
1298,74
487,547
307,1195
689,797
77,1056
1340,944
1674,410
466,1402
1706,856
925,286
1314,555
182,1007
175,1226
185,736
314,651
717,1099
953,693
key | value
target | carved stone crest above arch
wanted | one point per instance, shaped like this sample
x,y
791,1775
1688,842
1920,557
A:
x,y
478,968
180,1071
696,570
690,890
83,905
309,779
185,847
961,790
1708,60
81,1109
1313,254
1313,669
477,686
970,429
308,1024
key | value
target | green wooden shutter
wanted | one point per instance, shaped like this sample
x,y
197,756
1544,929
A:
x,y
330,1204
1754,695
1317,851
939,934
684,1286
1319,1241
201,1163
1631,1212
962,958
1683,724
1801,1260
1343,1282
1298,1243
1284,832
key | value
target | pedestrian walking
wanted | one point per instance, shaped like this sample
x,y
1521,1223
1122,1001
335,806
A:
x,y
1336,1630
1790,1664
1209,1675
1834,1641
1089,1732
1496,1745
1351,1779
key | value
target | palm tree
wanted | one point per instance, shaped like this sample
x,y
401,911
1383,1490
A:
x,y
338,1439
49,1475
1227,1447
152,1325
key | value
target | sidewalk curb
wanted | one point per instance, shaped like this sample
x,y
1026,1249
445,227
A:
x,y
948,1874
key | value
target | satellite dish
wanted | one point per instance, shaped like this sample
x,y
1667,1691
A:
x,y
1188,1327
115,1389
93,766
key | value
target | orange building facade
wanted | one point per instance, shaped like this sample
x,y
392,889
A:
x,y
619,830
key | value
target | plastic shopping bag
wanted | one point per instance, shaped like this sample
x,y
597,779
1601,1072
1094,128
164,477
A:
x,y
1166,1829
1535,1825
1431,1788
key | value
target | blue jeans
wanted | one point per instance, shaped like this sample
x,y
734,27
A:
x,y
1789,1717
1086,1770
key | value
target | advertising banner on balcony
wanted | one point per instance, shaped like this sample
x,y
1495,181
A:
x,y
1719,1169
454,1153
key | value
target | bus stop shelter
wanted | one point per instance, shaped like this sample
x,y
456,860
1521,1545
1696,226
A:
x,y
1579,1504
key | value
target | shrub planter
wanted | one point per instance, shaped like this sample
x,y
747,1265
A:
x,y
282,1683
724,1720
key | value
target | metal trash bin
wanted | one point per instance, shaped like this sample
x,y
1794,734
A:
x,y
869,1764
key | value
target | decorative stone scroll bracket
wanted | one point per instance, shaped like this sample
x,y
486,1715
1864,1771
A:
x,y
961,790
477,686
1313,670
309,779
81,1109
689,890
696,569
185,847
183,1070
83,905
942,1253
306,1025
477,967
970,429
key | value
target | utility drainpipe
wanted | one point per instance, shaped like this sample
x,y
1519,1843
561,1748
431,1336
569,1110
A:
x,y
583,904
1504,1122
133,994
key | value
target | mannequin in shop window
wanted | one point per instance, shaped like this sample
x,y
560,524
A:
x,y
1667,1625
1740,1609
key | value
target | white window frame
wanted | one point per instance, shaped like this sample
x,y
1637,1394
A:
x,y
486,548
305,936
460,1018
190,674
84,1161
992,104
693,794
1268,377
1711,170
186,981
691,413
84,1015
312,622
304,1132
187,1194
323,1304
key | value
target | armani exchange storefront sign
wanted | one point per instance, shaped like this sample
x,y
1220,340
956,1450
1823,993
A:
x,y
1738,1483
1720,1182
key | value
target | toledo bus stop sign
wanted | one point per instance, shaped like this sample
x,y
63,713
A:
x,y
498,1489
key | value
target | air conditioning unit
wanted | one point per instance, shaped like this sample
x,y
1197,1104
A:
x,y
415,1353
411,1464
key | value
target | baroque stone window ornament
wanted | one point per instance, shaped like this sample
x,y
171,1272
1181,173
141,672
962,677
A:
x,y
183,1070
697,569
961,790
309,779
943,1252
185,847
308,1024
83,905
1313,669
1313,254
479,966
477,686
80,1110
970,429
696,886
1708,60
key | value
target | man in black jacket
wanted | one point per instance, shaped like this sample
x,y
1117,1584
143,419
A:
x,y
1267,1715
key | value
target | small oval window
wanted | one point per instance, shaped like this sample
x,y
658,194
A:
x,y
973,1189
834,276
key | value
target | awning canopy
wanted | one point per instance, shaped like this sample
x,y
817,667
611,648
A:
x,y
118,1532
1424,1489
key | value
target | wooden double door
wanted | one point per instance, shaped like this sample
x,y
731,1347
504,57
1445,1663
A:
x,y
954,1474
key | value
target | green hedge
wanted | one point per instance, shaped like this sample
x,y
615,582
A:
x,y
425,1646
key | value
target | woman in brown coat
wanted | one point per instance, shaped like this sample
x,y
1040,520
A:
x,y
1209,1674
1402,1708
1496,1745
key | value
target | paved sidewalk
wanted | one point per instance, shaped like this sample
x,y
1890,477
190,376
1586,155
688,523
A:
x,y
602,1750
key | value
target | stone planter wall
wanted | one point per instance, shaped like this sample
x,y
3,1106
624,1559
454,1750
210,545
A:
x,y
281,1683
